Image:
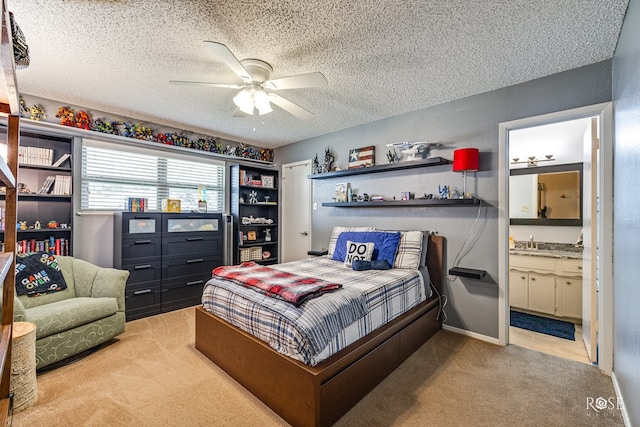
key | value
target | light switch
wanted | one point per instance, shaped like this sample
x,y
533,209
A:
x,y
315,206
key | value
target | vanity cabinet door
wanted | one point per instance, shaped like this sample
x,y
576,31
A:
x,y
542,293
518,289
571,302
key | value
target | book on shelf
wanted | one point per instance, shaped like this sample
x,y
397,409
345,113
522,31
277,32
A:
x,y
62,185
36,156
62,159
47,184
52,245
137,204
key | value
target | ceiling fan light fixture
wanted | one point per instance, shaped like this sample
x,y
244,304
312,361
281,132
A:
x,y
261,101
244,101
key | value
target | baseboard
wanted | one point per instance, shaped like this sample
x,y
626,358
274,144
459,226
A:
x,y
616,387
471,334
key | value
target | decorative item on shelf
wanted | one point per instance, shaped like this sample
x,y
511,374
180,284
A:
x,y
267,181
266,255
251,235
328,160
406,195
66,115
364,197
137,204
444,191
202,198
37,225
253,197
532,161
52,224
466,160
106,126
362,157
341,192
315,168
393,156
171,205
22,225
411,151
37,112
267,234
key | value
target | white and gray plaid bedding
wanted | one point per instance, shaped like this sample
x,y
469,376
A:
x,y
386,295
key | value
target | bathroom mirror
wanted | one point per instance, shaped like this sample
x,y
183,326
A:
x,y
546,195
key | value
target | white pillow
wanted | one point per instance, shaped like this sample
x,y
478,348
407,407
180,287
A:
x,y
410,253
357,250
336,232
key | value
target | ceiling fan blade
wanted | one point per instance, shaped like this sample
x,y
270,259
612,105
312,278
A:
x,y
297,82
229,58
181,82
290,107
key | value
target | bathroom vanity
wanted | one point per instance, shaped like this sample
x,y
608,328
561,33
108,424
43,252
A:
x,y
547,282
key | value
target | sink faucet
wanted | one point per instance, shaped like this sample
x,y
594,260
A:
x,y
531,244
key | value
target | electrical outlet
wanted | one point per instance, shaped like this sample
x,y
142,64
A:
x,y
315,206
524,208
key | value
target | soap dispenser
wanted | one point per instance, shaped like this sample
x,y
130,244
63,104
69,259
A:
x,y
512,243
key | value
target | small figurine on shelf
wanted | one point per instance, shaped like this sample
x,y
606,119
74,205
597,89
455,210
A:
x,y
37,112
393,156
444,191
37,225
52,224
316,165
22,225
253,197
267,235
66,116
328,160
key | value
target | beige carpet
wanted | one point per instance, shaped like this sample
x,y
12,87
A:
x,y
153,376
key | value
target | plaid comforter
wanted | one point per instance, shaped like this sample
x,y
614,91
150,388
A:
x,y
310,332
290,287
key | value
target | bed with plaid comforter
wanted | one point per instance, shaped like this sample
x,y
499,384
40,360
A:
x,y
321,326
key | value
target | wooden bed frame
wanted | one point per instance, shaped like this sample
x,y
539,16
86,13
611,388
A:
x,y
319,395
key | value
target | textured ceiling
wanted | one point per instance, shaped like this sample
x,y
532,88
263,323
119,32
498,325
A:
x,y
381,58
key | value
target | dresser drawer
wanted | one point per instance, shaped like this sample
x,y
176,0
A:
x,y
193,266
204,244
140,224
142,300
144,272
182,293
141,248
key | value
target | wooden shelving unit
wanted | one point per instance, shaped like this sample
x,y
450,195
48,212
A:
x,y
433,161
9,105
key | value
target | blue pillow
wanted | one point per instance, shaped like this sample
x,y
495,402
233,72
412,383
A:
x,y
385,244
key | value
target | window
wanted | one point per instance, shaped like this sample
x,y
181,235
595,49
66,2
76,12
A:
x,y
111,173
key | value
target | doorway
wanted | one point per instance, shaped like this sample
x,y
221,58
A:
x,y
296,211
597,268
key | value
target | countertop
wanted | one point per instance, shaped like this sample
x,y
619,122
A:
x,y
549,253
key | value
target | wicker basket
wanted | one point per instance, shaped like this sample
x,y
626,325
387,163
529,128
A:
x,y
251,254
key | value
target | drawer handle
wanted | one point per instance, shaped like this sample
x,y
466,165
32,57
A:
x,y
142,267
568,282
533,279
195,282
194,239
144,291
142,217
141,242
579,267
523,277
191,261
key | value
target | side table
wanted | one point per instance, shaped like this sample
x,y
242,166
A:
x,y
24,385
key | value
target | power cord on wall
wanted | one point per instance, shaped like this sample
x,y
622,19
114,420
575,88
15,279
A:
x,y
443,303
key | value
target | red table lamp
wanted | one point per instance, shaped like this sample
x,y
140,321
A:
x,y
465,160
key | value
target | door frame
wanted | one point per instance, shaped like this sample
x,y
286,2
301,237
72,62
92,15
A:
x,y
285,202
605,222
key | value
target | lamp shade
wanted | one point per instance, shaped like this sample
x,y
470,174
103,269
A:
x,y
465,159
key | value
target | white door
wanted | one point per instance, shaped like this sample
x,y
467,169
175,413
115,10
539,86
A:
x,y
589,233
296,211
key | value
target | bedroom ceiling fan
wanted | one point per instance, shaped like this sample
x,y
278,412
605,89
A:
x,y
253,96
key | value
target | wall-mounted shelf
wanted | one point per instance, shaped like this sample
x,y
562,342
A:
x,y
433,161
404,203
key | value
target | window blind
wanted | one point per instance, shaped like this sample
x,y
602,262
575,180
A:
x,y
111,173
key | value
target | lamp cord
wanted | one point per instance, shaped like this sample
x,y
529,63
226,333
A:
x,y
458,257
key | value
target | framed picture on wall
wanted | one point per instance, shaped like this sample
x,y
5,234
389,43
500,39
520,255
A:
x,y
362,157
341,192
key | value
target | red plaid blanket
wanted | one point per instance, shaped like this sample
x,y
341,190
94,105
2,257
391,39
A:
x,y
274,283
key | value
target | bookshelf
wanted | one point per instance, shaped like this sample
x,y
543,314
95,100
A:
x,y
254,206
45,203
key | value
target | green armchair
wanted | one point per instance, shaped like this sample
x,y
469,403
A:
x,y
88,313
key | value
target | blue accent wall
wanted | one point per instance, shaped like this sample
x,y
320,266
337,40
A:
x,y
626,212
